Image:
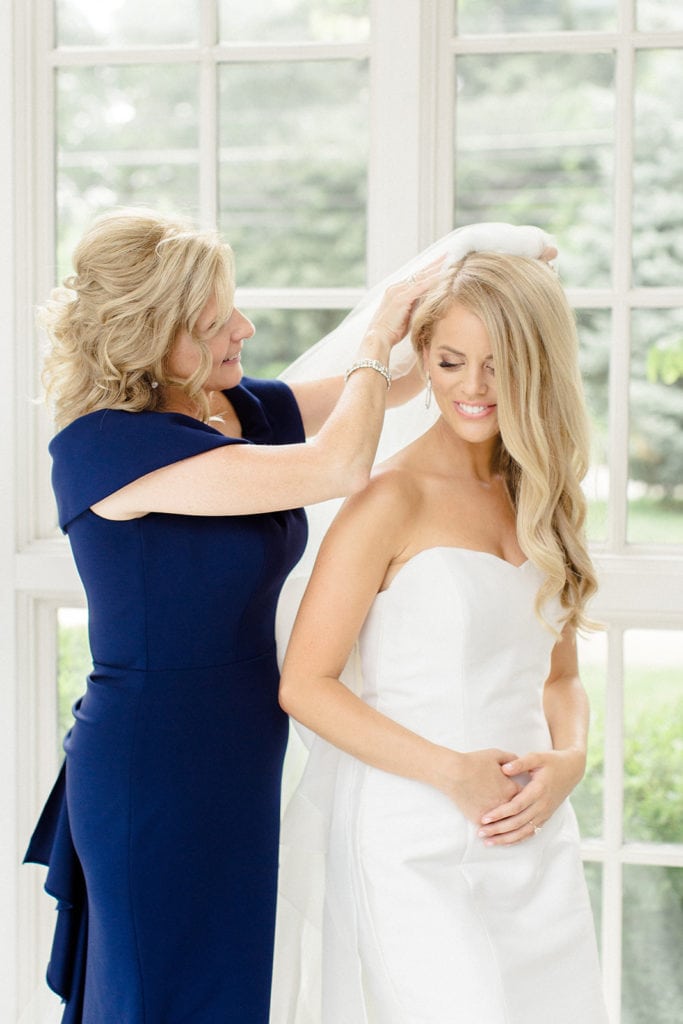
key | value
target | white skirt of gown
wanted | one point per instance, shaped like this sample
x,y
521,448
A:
x,y
391,910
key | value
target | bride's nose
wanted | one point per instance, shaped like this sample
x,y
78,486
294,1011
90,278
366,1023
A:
x,y
474,382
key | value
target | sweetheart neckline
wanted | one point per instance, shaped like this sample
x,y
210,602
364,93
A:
x,y
462,550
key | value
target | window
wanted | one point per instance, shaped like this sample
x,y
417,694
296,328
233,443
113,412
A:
x,y
329,140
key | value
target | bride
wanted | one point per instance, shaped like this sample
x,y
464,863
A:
x,y
431,856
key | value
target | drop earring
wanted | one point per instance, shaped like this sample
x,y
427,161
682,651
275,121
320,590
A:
x,y
428,392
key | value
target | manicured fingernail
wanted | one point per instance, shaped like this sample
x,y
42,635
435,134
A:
x,y
481,833
486,821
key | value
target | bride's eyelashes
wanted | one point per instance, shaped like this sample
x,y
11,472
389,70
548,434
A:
x,y
445,365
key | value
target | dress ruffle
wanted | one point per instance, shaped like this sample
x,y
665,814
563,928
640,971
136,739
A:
x,y
51,844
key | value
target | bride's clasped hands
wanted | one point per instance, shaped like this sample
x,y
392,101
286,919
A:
x,y
475,781
552,775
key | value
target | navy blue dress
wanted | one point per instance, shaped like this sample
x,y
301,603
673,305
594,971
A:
x,y
161,835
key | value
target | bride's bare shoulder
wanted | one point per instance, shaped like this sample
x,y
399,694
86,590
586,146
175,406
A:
x,y
388,489
400,475
406,469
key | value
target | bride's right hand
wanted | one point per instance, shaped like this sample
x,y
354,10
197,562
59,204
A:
x,y
391,320
474,778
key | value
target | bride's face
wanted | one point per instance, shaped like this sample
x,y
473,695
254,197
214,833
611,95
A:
x,y
460,363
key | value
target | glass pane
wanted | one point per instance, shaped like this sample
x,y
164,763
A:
x,y
125,135
329,21
655,509
658,196
483,16
593,873
653,938
534,137
655,15
293,159
594,327
73,663
587,798
282,335
653,751
126,22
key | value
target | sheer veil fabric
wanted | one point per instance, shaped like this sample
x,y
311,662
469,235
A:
x,y
307,803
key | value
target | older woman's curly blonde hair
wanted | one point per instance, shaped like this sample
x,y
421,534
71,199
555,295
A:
x,y
543,448
139,278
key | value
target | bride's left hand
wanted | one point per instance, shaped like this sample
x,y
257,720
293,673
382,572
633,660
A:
x,y
553,774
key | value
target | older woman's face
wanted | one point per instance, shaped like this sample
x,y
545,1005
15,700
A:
x,y
460,363
225,347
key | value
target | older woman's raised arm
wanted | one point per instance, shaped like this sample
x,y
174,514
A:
x,y
246,479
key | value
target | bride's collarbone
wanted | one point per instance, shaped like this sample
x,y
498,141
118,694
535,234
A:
x,y
457,511
457,525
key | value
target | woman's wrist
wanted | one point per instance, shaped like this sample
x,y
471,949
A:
x,y
574,758
446,769
370,364
375,345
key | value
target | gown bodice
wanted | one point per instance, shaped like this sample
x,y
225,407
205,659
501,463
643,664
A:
x,y
453,650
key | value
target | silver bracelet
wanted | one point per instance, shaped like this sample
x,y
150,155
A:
x,y
371,364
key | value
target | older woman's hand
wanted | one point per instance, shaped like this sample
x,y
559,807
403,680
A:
x,y
391,320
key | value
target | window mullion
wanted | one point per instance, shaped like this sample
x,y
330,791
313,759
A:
x,y
208,116
621,320
10,770
36,252
33,265
394,164
437,124
612,886
299,298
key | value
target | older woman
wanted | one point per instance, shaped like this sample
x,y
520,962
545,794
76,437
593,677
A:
x,y
178,483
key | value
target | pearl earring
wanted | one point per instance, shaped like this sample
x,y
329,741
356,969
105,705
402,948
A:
x,y
428,392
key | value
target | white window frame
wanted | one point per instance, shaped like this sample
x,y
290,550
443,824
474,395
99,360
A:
x,y
411,51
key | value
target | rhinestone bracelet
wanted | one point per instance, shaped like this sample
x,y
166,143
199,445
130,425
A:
x,y
371,364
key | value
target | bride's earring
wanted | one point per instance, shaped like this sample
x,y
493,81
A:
x,y
428,392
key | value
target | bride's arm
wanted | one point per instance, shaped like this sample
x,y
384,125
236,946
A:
x,y
366,537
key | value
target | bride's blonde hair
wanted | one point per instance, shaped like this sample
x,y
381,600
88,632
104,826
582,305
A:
x,y
543,450
139,278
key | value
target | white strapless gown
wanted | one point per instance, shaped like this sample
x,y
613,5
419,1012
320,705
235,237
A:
x,y
391,909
